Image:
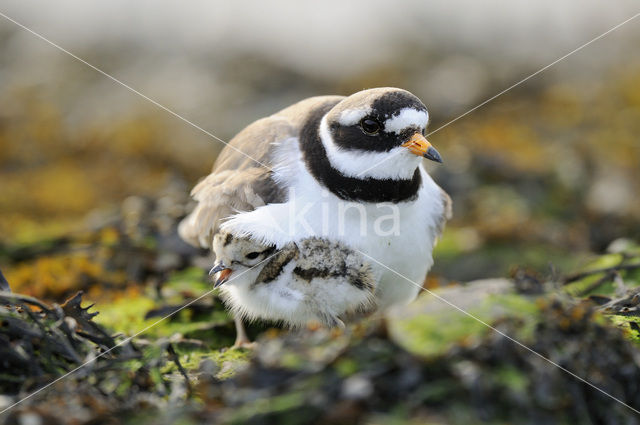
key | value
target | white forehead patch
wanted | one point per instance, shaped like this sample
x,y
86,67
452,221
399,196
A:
x,y
353,116
408,117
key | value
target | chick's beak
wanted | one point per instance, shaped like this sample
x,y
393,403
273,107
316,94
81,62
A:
x,y
420,146
222,272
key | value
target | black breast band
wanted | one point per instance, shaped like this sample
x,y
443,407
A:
x,y
350,188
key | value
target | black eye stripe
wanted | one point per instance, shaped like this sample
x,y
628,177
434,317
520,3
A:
x,y
353,137
256,254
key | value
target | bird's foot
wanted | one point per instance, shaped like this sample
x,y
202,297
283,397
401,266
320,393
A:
x,y
245,343
242,339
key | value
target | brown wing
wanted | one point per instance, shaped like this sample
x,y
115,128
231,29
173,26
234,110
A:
x,y
241,182
237,183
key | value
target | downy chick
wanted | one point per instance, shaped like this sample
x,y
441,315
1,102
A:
x,y
310,280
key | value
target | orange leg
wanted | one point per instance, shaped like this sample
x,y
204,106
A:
x,y
242,339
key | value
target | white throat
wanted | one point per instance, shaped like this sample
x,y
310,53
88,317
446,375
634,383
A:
x,y
396,164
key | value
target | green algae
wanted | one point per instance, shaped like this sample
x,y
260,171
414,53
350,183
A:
x,y
434,334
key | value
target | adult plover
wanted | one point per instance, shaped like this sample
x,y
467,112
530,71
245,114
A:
x,y
346,169
313,279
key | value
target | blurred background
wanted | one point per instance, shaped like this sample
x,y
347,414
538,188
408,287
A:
x,y
542,176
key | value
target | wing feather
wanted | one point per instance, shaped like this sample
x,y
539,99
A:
x,y
237,183
241,179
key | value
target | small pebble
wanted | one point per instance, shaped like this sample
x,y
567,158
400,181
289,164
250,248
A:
x,y
357,387
209,367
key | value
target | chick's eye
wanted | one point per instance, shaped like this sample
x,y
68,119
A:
x,y
370,126
252,255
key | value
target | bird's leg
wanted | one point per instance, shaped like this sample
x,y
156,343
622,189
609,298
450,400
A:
x,y
242,340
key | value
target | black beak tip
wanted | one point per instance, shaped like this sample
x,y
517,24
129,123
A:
x,y
215,269
433,155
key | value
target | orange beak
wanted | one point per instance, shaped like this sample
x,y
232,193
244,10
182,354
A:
x,y
420,146
222,273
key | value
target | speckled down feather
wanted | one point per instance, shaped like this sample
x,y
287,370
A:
x,y
311,280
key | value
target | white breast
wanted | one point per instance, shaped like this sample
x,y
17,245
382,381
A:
x,y
400,236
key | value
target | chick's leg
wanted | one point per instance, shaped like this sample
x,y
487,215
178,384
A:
x,y
242,339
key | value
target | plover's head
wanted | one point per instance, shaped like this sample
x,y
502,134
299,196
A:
x,y
235,255
377,133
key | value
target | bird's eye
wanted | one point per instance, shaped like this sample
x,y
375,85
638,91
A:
x,y
370,126
252,255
